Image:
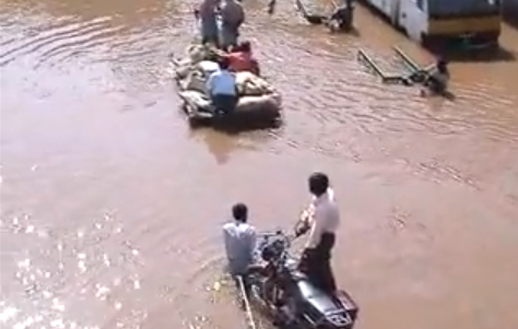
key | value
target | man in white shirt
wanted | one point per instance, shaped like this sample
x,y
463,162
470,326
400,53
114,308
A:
x,y
222,88
239,238
322,218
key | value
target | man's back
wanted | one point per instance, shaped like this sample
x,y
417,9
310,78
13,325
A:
x,y
232,13
243,61
325,219
207,9
438,79
239,241
222,82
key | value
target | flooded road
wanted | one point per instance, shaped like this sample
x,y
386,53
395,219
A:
x,y
111,207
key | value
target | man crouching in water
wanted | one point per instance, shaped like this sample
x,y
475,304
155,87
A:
x,y
240,241
342,17
437,77
434,78
240,238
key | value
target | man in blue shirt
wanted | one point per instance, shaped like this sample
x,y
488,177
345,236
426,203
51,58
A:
x,y
239,238
222,89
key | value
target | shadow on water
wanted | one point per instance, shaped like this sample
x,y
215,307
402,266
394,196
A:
x,y
222,143
498,54
483,54
510,13
240,127
236,127
512,21
353,32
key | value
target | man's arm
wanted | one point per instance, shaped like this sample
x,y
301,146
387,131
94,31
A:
x,y
209,84
255,67
242,16
226,240
317,227
253,241
271,6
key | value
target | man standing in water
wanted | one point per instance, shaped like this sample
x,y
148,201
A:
x,y
239,238
232,16
322,219
209,27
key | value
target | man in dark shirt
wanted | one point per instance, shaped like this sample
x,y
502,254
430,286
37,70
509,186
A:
x,y
342,17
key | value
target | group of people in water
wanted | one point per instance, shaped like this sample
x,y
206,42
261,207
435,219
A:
x,y
233,56
321,218
225,33
221,84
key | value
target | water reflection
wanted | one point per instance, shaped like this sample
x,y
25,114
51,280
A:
x,y
70,275
222,144
126,206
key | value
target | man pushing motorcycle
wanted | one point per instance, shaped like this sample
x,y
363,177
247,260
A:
x,y
273,276
322,219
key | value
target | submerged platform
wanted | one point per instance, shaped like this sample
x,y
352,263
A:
x,y
414,74
385,76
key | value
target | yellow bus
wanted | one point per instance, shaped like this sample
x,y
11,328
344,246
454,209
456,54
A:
x,y
428,21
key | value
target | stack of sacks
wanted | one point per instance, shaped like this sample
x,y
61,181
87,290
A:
x,y
256,94
197,76
249,84
192,73
195,54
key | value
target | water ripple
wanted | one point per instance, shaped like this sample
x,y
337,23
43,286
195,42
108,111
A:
x,y
67,270
68,78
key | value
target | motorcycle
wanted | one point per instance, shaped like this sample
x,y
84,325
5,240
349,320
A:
x,y
288,295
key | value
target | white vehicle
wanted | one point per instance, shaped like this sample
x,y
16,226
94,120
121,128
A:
x,y
429,21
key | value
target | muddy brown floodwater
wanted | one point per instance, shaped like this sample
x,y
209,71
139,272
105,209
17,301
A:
x,y
111,206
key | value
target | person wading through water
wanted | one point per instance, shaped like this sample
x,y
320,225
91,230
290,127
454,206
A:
x,y
322,218
240,239
342,17
437,77
232,16
434,78
209,27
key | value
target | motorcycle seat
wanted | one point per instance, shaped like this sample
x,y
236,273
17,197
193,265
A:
x,y
322,301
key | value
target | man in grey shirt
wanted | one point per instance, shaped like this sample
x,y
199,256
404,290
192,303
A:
x,y
206,12
239,238
232,16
